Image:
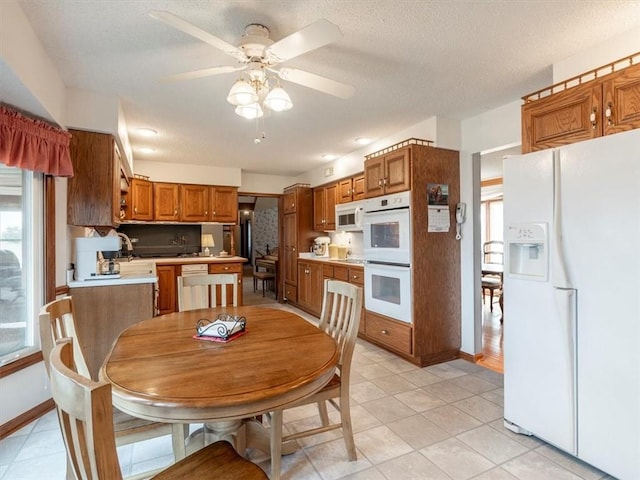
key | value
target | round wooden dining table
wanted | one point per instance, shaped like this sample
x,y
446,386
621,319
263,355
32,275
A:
x,y
159,372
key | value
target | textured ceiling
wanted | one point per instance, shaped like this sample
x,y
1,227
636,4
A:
x,y
409,60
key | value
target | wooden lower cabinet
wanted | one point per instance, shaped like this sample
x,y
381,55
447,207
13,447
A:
x,y
290,293
102,313
167,288
310,287
228,268
391,333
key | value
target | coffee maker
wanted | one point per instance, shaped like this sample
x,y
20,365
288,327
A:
x,y
321,246
94,257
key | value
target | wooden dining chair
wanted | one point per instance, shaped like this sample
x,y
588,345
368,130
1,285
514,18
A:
x,y
492,254
340,317
57,321
200,291
85,411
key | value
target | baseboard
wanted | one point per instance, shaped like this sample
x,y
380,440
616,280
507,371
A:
x,y
26,418
469,357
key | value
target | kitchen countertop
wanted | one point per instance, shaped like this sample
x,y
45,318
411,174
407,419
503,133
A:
x,y
105,281
184,260
355,262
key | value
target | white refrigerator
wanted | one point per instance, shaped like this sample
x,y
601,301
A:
x,y
572,299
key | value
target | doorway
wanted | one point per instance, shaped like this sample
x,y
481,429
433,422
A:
x,y
491,229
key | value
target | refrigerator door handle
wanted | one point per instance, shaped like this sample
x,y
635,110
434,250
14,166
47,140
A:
x,y
566,302
559,274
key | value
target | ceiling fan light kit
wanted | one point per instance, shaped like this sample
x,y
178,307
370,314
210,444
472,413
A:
x,y
257,54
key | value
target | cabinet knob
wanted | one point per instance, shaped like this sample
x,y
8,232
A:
x,y
175,213
206,212
384,332
226,268
135,209
384,181
355,277
380,182
214,213
294,249
593,118
293,205
608,113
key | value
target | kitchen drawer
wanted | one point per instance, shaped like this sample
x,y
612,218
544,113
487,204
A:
x,y
341,273
327,271
356,275
392,333
291,293
225,268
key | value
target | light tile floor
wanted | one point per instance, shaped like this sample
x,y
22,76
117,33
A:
x,y
441,422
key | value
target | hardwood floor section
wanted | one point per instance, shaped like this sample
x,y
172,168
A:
x,y
492,338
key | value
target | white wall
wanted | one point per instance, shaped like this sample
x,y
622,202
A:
x,y
186,173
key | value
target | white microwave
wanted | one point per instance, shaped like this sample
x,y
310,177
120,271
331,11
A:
x,y
349,216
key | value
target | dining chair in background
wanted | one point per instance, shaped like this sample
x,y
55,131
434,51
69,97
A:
x,y
200,291
492,254
85,411
265,277
57,321
340,317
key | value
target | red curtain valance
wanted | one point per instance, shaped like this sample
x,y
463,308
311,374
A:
x,y
32,144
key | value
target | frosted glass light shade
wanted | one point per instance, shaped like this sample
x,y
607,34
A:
x,y
242,93
206,241
250,112
278,100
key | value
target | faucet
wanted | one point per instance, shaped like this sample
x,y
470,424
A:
x,y
126,240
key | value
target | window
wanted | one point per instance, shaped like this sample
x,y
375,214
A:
x,y
491,220
21,264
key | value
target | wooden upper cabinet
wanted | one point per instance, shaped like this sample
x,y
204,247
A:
x,y
621,100
358,187
390,173
350,189
565,117
224,204
93,193
289,202
603,106
140,200
194,203
324,207
166,201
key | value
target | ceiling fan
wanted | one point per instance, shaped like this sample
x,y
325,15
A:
x,y
258,55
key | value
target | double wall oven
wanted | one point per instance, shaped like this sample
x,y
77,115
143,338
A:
x,y
387,251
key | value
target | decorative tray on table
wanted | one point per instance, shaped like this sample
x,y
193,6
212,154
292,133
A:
x,y
224,328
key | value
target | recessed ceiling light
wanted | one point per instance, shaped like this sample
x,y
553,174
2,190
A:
x,y
147,132
329,156
364,140
146,149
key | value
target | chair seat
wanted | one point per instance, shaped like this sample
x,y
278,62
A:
x,y
218,460
490,281
263,275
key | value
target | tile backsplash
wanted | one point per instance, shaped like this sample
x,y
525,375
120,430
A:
x,y
163,240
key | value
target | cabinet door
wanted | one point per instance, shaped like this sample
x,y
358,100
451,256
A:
x,y
621,92
166,201
310,286
563,118
318,209
141,203
93,193
397,171
345,190
194,203
373,175
330,198
167,288
358,187
289,202
225,204
290,235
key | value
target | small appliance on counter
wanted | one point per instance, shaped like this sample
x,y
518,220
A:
x,y
94,258
321,246
337,252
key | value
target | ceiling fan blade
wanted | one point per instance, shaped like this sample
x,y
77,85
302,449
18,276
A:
x,y
190,29
311,80
319,33
205,72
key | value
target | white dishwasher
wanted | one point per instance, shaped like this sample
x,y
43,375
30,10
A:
x,y
191,269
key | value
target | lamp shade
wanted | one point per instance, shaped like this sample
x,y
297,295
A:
x,y
278,100
250,112
207,240
242,93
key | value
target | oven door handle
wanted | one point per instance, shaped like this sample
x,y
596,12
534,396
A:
x,y
387,266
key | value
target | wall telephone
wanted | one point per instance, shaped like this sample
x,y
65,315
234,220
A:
x,y
461,210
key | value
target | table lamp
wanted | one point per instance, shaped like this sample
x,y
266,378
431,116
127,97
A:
x,y
206,242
